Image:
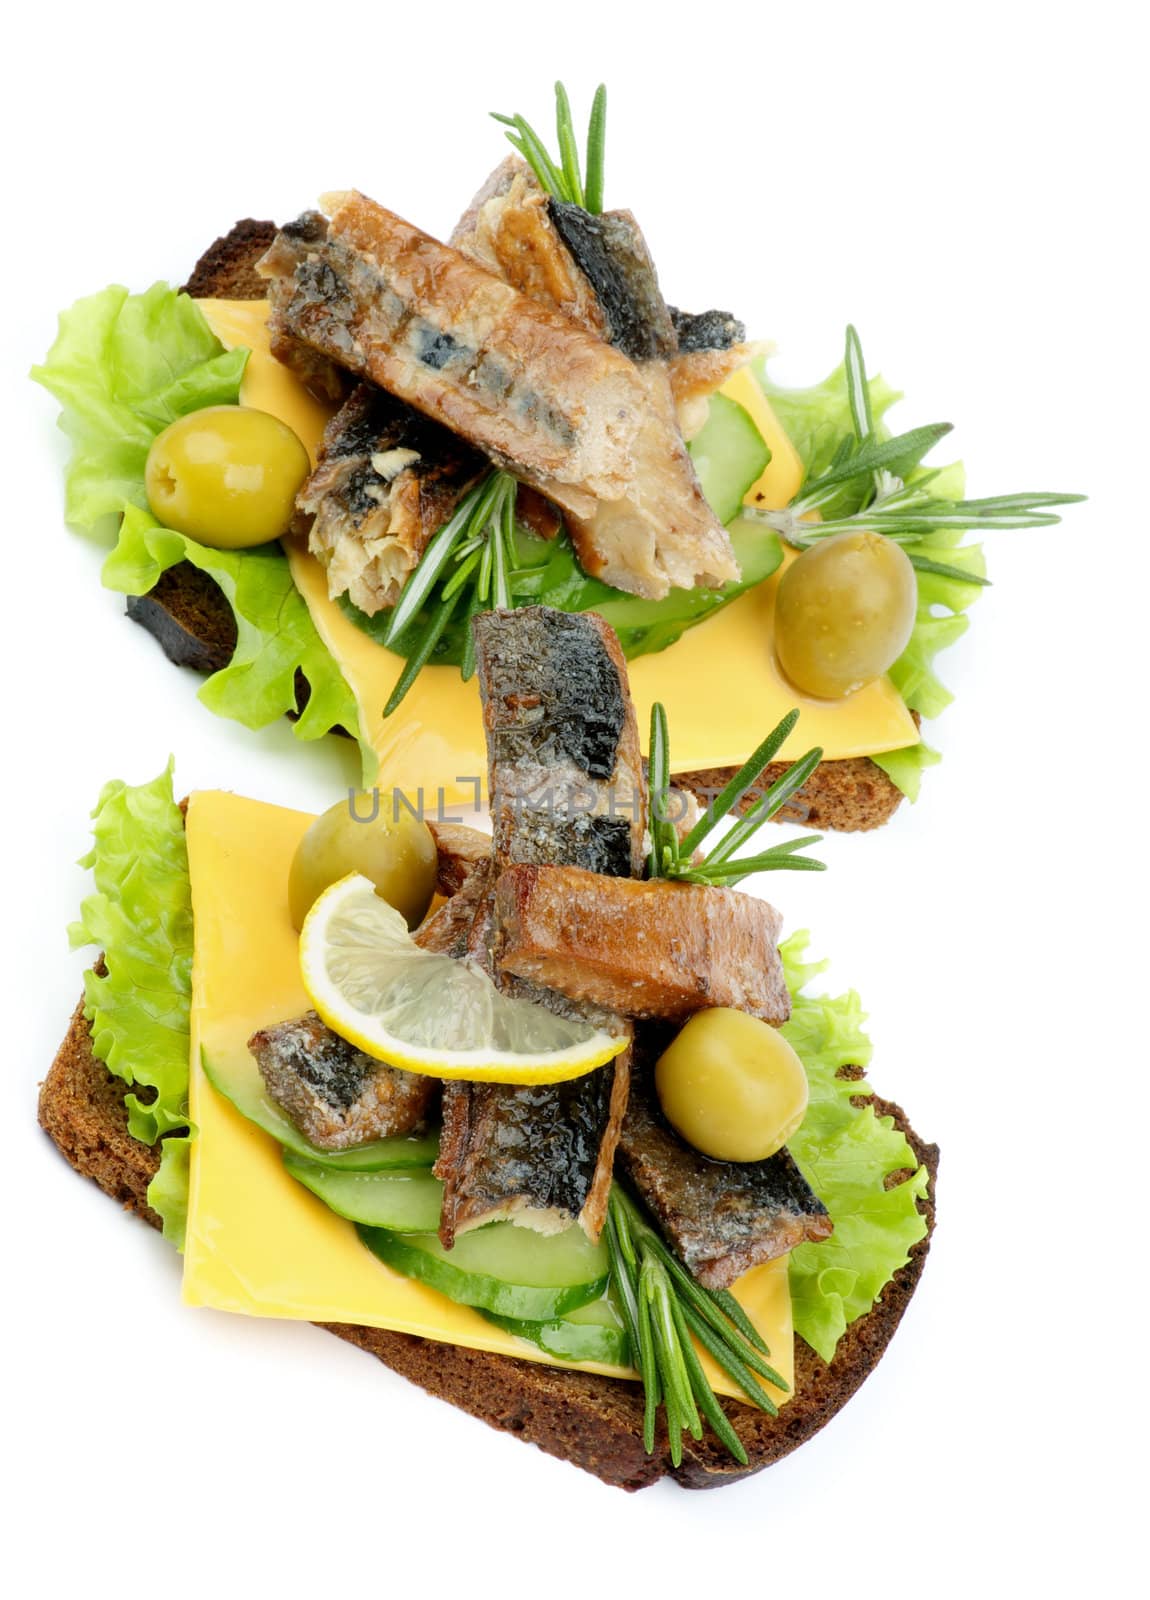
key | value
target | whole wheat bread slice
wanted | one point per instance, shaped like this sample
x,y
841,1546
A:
x,y
593,1422
188,615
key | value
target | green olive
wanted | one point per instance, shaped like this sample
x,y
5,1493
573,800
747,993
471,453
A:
x,y
362,834
844,613
227,476
732,1086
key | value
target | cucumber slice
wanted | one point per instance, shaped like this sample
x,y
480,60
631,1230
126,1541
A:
x,y
729,454
240,1082
592,1332
644,626
408,1201
512,1271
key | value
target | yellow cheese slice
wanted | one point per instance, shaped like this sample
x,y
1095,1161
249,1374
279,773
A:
x,y
258,1243
783,476
719,682
267,384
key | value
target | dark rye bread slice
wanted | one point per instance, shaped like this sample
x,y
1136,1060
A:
x,y
193,622
593,1422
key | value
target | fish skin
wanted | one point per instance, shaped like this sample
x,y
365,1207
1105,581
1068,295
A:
x,y
566,771
598,271
612,254
532,1154
557,712
643,949
334,1094
549,402
720,1217
706,330
386,479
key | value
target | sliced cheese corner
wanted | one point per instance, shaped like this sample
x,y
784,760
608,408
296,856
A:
x,y
719,682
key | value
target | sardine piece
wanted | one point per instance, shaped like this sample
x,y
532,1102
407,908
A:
x,y
643,949
562,741
612,254
706,330
386,479
720,1217
541,1156
556,406
334,1094
448,931
566,774
598,271
459,851
508,229
319,376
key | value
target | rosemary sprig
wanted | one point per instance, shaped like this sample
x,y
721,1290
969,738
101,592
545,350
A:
x,y
475,547
671,857
903,511
563,179
665,1310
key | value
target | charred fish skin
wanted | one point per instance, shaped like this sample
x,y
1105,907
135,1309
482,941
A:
x,y
529,1154
432,327
508,230
613,256
720,1217
557,711
706,330
557,406
386,479
334,1094
565,768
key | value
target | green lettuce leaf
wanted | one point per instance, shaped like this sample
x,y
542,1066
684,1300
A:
x,y
846,1152
905,767
140,915
123,367
168,1190
815,419
276,636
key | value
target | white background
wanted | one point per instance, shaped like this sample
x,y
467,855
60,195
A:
x,y
963,182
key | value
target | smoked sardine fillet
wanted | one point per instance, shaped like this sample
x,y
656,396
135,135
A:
x,y
597,270
566,781
385,480
720,1217
334,1094
555,405
644,949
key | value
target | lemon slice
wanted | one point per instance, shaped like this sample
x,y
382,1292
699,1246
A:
x,y
423,1011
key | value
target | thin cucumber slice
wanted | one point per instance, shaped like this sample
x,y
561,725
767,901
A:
x,y
729,454
240,1082
647,625
408,1201
592,1332
513,1271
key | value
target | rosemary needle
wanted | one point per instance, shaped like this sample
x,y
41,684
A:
x,y
563,179
475,547
665,1310
898,497
672,858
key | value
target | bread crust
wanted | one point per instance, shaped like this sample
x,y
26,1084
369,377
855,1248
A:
x,y
591,1421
